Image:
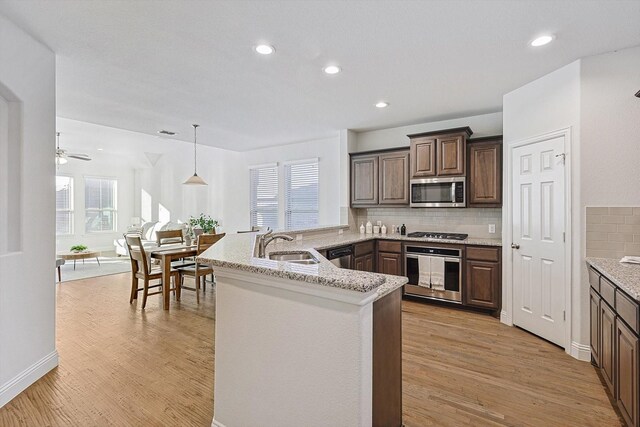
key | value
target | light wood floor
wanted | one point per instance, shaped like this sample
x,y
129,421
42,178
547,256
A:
x,y
122,366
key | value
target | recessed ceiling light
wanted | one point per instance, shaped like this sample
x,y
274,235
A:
x,y
332,69
100,149
382,104
265,49
542,40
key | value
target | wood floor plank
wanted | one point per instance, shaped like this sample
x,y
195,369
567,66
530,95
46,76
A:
x,y
122,366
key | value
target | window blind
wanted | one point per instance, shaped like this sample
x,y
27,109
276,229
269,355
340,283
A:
x,y
100,195
64,205
301,195
264,196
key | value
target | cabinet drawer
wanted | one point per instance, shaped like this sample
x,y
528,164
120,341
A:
x,y
627,309
360,249
389,246
594,279
607,291
483,253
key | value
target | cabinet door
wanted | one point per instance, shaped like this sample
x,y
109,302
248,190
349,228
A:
x,y
358,263
485,174
627,376
595,327
451,155
482,284
364,180
607,344
369,263
423,157
394,178
389,263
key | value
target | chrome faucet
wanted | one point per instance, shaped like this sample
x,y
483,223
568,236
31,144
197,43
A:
x,y
268,237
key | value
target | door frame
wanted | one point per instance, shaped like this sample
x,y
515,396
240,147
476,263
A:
x,y
506,316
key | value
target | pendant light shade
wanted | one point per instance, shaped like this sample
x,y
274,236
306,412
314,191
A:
x,y
195,179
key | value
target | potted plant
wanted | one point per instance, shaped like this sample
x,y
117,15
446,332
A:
x,y
78,248
204,222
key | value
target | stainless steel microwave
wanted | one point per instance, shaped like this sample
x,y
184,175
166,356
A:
x,y
438,192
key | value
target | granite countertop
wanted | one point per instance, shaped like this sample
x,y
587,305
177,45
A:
x,y
626,276
236,252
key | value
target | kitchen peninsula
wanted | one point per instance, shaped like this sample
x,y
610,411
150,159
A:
x,y
321,341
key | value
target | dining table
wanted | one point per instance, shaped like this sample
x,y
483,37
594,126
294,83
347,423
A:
x,y
166,255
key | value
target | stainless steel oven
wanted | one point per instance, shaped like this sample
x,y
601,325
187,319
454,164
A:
x,y
438,192
434,272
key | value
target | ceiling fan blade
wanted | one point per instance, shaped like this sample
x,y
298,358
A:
x,y
79,156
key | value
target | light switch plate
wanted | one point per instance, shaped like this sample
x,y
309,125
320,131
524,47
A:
x,y
492,229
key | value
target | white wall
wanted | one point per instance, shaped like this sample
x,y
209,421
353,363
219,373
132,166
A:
x,y
103,165
548,104
27,287
482,125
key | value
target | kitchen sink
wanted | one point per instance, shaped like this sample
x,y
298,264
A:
x,y
302,257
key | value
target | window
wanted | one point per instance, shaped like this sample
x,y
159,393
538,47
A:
x,y
264,196
301,195
64,205
100,195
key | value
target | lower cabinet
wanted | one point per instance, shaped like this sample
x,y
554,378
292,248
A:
x,y
390,263
364,256
482,283
626,378
607,340
363,263
615,344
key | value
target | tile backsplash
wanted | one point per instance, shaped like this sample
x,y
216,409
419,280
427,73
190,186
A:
x,y
473,221
613,232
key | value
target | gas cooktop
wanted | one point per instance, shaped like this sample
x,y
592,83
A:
x,y
438,235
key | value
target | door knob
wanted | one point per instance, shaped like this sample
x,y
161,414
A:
x,y
515,246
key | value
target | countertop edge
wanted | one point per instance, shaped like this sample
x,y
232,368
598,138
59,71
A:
x,y
622,275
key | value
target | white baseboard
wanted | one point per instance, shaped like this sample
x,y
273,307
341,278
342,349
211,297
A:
x,y
580,351
24,379
215,423
505,318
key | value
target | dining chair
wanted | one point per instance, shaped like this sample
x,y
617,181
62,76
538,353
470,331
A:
x,y
205,241
141,269
169,237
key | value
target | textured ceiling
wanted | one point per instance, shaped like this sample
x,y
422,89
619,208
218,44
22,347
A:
x,y
149,65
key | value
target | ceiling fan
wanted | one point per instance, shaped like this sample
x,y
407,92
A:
x,y
62,155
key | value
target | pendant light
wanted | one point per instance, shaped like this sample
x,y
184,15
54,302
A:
x,y
195,179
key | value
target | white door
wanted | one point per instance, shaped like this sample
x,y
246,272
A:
x,y
538,238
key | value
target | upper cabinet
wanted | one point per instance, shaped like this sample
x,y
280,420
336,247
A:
x,y
485,172
364,180
439,153
394,178
380,179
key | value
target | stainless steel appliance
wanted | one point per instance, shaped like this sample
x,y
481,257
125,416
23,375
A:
x,y
434,272
438,192
341,257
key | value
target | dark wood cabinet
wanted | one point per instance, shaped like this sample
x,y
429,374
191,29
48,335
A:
x,y
441,153
364,256
394,178
390,263
607,344
484,181
423,157
615,343
380,178
364,180
594,309
627,374
483,277
451,155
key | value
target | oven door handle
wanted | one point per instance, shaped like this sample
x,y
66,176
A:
x,y
446,258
